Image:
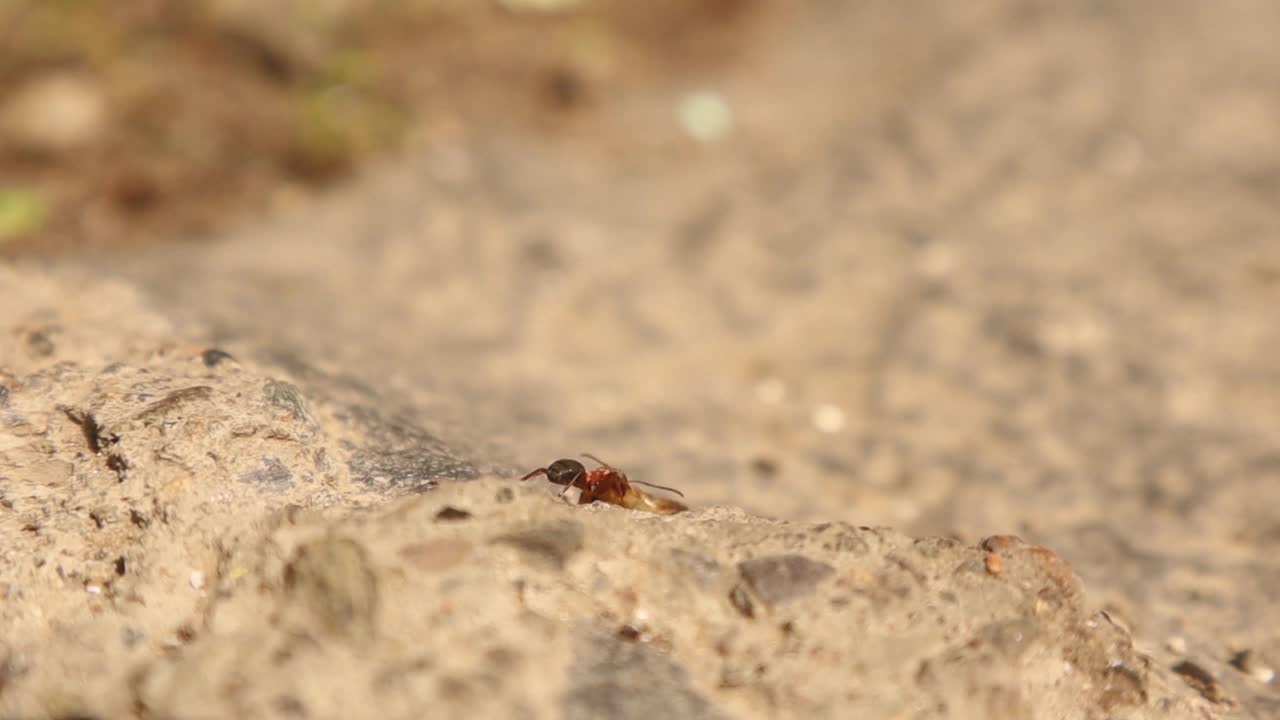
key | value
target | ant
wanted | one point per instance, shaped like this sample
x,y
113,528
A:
x,y
607,484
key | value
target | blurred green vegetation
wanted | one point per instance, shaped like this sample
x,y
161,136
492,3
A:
x,y
22,212
199,110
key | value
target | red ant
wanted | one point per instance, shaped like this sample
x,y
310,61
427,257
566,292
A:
x,y
607,484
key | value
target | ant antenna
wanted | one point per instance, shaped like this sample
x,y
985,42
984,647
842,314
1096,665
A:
x,y
660,487
598,461
638,482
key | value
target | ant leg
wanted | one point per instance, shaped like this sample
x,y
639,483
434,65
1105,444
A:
x,y
539,471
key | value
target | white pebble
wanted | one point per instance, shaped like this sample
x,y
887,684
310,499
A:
x,y
197,579
55,112
705,116
93,589
828,418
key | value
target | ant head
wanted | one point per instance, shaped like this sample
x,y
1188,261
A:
x,y
565,471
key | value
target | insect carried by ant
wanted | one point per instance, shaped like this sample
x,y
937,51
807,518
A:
x,y
607,484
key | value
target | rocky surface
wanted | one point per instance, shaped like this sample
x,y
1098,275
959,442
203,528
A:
x,y
223,534
1007,271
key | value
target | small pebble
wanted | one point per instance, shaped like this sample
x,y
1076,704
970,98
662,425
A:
x,y
1248,662
771,391
1202,680
705,116
539,6
993,563
448,513
828,418
93,589
54,112
739,598
764,467
197,579
213,356
1176,644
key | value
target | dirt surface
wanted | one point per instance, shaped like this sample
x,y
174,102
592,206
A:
x,y
1006,269
240,546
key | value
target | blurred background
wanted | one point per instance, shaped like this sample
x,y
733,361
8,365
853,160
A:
x,y
1003,266
148,120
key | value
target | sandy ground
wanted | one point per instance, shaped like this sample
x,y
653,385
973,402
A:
x,y
954,275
